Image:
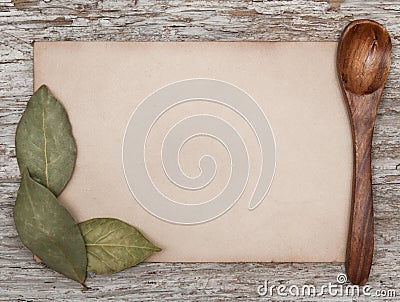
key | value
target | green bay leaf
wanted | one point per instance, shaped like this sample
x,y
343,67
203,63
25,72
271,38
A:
x,y
48,230
113,245
44,142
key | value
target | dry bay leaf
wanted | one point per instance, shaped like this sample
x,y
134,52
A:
x,y
44,142
48,230
113,245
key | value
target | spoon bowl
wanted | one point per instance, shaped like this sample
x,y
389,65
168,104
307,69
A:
x,y
364,54
363,64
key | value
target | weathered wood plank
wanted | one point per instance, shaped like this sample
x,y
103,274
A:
x,y
25,21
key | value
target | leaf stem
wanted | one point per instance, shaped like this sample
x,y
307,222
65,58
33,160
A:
x,y
85,288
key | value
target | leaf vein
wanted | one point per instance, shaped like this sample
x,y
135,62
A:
x,y
120,245
106,235
45,146
99,259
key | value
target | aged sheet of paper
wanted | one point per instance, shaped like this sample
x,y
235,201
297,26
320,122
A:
x,y
305,215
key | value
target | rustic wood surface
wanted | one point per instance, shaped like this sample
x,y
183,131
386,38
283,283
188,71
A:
x,y
25,21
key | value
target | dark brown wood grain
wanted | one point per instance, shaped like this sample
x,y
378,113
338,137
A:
x,y
363,62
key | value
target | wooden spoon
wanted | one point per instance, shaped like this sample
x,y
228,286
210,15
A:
x,y
363,64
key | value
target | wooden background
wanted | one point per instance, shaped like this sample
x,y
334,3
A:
x,y
25,21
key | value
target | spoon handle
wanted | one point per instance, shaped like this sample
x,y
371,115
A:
x,y
360,242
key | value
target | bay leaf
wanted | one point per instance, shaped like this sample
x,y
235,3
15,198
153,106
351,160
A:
x,y
48,230
44,142
113,245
